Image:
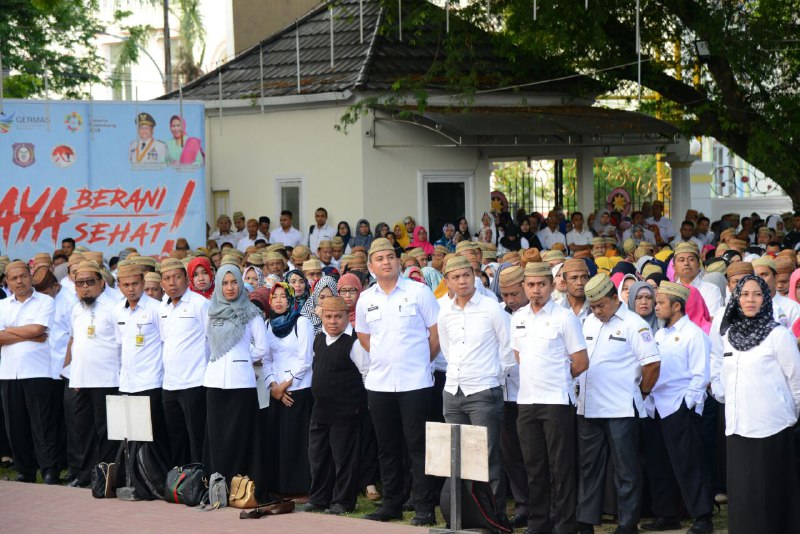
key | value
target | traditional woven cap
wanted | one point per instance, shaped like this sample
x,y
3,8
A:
x,y
512,257
687,246
361,249
336,242
784,265
446,260
43,279
739,267
582,254
152,277
238,215
647,245
598,241
128,270
379,245
227,259
81,249
598,287
325,243
416,253
170,264
345,258
463,246
235,252
640,252
764,230
530,255
256,259
334,304
789,253
537,268
96,257
629,245
272,256
357,262
5,259
275,247
42,258
300,253
75,258
490,254
17,265
717,265
738,244
488,246
765,261
675,290
561,247
722,247
511,276
178,254
89,266
610,240
313,265
147,261
573,264
553,255
439,249
651,268
456,263
252,249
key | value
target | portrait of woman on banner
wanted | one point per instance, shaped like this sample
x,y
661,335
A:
x,y
183,150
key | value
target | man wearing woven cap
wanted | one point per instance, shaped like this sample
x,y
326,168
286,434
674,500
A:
x,y
249,236
553,257
274,263
624,365
26,386
550,234
765,268
687,271
472,251
396,325
152,286
676,457
576,275
340,405
785,266
312,269
223,234
337,243
598,247
549,345
93,360
240,225
182,321
474,337
325,253
437,261
137,333
145,151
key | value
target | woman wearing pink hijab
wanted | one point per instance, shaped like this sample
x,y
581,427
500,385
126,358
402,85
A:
x,y
794,280
181,149
420,240
697,310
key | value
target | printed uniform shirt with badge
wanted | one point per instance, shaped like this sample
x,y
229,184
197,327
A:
x,y
183,331
140,344
618,349
95,353
26,359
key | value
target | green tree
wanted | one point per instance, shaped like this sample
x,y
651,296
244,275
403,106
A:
x,y
744,94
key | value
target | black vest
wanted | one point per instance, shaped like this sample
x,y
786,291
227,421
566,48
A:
x,y
339,393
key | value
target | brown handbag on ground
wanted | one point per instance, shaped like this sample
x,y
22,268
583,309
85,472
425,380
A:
x,y
281,506
243,493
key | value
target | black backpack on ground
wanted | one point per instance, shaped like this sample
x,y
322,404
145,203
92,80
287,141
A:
x,y
149,469
479,508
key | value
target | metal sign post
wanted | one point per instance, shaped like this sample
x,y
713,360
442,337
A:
x,y
128,418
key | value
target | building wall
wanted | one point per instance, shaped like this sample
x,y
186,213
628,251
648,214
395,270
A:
x,y
254,20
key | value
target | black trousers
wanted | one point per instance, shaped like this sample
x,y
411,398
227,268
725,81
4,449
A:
x,y
31,422
289,471
399,417
90,419
677,465
599,438
57,388
763,492
513,462
333,454
370,474
160,432
71,427
5,445
547,436
185,415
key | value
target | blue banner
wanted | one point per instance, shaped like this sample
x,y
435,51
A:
x,y
111,175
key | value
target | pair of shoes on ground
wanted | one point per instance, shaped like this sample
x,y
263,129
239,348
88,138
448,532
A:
x,y
419,520
702,525
334,509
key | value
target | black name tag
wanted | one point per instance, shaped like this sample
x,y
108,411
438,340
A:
x,y
725,355
615,338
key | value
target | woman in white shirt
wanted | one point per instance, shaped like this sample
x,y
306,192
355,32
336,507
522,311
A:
x,y
758,379
290,337
233,438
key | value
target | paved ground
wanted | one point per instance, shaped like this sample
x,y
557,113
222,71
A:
x,y
38,508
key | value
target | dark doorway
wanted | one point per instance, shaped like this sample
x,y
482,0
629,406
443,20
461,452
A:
x,y
446,203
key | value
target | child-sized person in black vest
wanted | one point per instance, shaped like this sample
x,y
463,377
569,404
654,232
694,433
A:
x,y
340,404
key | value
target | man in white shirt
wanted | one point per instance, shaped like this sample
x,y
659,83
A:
x,y
223,234
325,253
548,343
624,365
576,275
239,223
473,334
550,235
514,298
579,238
286,234
472,251
93,358
765,268
321,231
25,377
665,228
183,320
250,236
676,457
687,270
396,325
142,370
704,233
686,236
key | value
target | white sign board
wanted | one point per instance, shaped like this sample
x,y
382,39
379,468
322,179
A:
x,y
474,451
128,418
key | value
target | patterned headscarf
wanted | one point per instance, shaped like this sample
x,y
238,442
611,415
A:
x,y
284,323
259,274
300,300
261,296
745,333
200,261
312,303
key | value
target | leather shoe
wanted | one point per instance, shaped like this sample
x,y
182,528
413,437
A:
x,y
519,521
382,514
585,528
51,479
310,507
78,483
24,478
662,523
336,509
701,526
423,520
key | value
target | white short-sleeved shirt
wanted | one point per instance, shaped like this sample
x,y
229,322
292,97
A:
x,y
325,233
183,331
230,237
618,349
59,331
585,309
234,370
548,238
95,360
684,371
290,238
710,293
358,355
475,342
545,341
574,237
398,325
141,367
245,241
26,359
790,307
665,228
290,357
761,386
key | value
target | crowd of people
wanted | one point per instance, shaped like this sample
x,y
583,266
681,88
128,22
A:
x,y
619,366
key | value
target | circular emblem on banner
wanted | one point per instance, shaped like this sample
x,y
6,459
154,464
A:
x,y
63,156
23,154
73,121
499,202
619,200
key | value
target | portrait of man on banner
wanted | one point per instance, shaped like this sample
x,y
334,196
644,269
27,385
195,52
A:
x,y
146,152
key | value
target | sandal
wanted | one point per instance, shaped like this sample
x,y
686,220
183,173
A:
x,y
373,495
